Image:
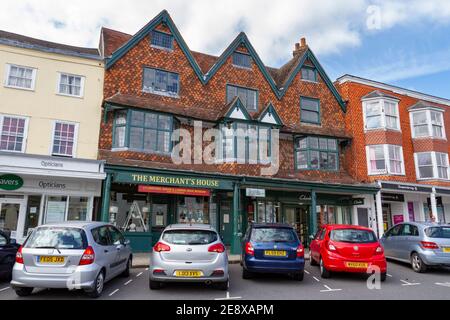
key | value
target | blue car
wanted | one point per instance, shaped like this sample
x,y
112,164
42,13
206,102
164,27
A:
x,y
272,248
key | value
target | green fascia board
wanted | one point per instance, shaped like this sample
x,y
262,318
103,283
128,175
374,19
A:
x,y
238,104
162,17
274,113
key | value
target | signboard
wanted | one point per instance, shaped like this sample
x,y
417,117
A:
x,y
394,197
398,218
175,190
357,201
405,187
304,196
10,182
257,193
172,180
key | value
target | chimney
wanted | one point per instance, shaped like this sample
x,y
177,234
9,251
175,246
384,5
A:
x,y
299,47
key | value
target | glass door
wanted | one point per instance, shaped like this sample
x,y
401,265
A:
x,y
12,218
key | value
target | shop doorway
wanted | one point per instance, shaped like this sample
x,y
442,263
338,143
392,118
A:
x,y
298,218
225,221
363,217
12,217
387,216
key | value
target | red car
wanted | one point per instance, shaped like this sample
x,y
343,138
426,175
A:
x,y
347,248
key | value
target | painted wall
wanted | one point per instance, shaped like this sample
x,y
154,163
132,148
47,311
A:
x,y
43,105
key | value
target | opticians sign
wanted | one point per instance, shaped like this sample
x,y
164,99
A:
x,y
10,182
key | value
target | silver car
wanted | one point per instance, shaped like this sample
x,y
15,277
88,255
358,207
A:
x,y
421,244
189,253
73,255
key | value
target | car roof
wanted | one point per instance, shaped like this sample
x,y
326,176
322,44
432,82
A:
x,y
189,226
76,224
271,225
427,224
346,226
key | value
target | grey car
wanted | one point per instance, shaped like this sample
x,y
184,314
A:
x,y
422,244
73,255
189,253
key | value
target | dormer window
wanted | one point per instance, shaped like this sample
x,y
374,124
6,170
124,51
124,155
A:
x,y
309,74
427,123
381,113
162,40
242,60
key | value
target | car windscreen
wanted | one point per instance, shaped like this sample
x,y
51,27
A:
x,y
58,238
353,236
438,232
273,235
190,237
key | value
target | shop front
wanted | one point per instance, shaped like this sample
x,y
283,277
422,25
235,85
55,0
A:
x,y
35,190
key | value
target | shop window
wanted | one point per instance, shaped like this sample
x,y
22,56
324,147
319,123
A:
x,y
161,82
313,153
130,211
20,77
143,131
309,74
427,123
385,159
162,40
245,143
193,210
310,110
381,114
242,60
432,165
248,97
78,208
64,139
13,133
63,208
268,212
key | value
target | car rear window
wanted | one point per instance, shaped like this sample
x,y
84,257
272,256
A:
x,y
273,235
190,237
353,236
438,232
57,237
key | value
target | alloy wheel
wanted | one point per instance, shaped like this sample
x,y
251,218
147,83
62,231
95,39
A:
x,y
99,283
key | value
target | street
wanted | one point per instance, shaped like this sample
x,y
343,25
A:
x,y
401,283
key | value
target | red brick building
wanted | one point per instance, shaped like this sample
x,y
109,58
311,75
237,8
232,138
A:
x,y
400,142
154,85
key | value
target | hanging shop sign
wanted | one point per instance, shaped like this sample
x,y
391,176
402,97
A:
x,y
175,190
357,201
256,193
172,180
304,196
10,182
395,197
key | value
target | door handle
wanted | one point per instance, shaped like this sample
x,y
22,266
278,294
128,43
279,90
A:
x,y
106,251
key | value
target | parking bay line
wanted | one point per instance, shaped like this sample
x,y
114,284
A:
x,y
139,274
306,271
228,297
445,284
114,292
128,282
329,289
316,279
406,283
4,289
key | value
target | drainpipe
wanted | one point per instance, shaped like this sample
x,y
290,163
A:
x,y
106,198
313,215
433,203
379,210
236,235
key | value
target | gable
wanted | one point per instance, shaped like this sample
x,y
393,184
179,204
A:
x,y
270,115
237,110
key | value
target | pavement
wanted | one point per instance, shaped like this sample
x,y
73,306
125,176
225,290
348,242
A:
x,y
401,283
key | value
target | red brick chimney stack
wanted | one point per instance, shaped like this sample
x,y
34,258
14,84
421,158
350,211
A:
x,y
299,47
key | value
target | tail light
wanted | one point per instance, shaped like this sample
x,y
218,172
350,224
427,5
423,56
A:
x,y
331,247
429,245
19,256
249,249
379,250
300,251
87,257
161,247
159,271
218,273
218,247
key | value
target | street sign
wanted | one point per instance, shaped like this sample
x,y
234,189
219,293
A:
x,y
256,193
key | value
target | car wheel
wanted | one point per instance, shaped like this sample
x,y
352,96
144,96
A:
x,y
299,276
99,285
246,274
383,276
223,285
312,262
126,272
324,273
417,263
24,291
154,285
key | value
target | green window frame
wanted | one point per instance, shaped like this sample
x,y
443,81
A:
x,y
248,141
310,110
316,153
143,131
309,74
250,102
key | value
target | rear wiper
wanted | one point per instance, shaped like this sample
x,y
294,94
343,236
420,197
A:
x,y
48,247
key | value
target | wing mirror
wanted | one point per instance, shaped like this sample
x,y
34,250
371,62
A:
x,y
127,242
12,241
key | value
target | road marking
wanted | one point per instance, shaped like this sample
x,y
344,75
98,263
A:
x,y
445,284
114,292
128,282
406,283
329,289
228,297
3,289
306,271
138,274
316,279
146,269
389,275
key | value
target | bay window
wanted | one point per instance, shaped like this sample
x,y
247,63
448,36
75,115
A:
x,y
314,153
143,131
385,159
381,114
431,165
427,123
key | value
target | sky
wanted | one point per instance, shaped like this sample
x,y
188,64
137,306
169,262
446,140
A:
x,y
400,42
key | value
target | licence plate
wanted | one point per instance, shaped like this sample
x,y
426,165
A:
x,y
357,265
188,273
50,259
446,249
275,253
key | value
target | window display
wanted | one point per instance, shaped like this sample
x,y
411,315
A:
x,y
193,210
